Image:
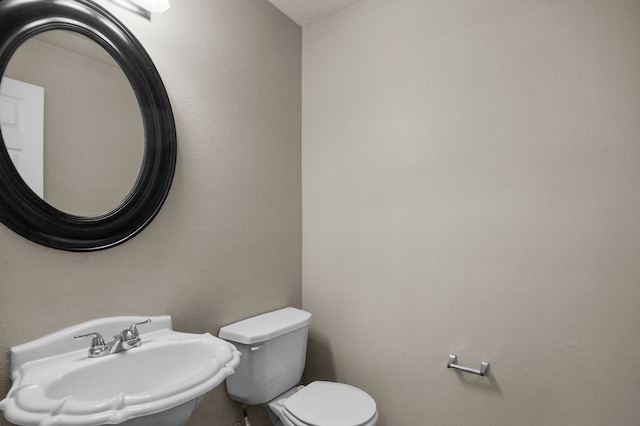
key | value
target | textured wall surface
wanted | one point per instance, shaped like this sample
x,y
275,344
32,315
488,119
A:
x,y
470,186
227,243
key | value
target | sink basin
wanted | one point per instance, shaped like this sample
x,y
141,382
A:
x,y
157,383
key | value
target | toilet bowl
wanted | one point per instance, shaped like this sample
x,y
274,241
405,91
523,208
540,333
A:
x,y
324,403
273,348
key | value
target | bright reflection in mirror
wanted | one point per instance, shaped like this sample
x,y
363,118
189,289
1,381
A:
x,y
93,133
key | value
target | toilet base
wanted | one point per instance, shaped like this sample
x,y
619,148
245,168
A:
x,y
275,421
275,406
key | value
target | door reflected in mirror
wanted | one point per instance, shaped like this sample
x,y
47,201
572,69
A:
x,y
93,132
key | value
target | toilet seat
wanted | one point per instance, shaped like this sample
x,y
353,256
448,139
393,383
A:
x,y
330,404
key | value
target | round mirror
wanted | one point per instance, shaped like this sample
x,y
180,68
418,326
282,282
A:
x,y
89,147
115,177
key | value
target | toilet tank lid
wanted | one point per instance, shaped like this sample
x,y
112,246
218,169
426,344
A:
x,y
266,326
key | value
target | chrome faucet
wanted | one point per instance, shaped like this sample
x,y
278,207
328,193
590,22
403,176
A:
x,y
125,340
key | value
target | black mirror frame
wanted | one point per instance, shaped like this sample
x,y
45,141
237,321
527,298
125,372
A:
x,y
20,208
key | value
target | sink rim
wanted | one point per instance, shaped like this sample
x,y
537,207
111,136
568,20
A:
x,y
28,402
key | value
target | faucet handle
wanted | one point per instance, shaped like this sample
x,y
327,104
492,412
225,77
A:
x,y
130,336
133,329
98,346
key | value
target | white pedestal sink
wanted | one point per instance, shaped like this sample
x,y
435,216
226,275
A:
x,y
158,383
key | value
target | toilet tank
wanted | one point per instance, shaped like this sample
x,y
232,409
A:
x,y
273,348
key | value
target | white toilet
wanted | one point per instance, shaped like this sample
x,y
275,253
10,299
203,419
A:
x,y
274,347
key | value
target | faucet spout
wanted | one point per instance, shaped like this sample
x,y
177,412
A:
x,y
120,344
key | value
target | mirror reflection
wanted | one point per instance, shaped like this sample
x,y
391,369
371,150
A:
x,y
92,134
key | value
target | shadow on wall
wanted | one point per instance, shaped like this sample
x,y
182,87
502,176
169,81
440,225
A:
x,y
320,364
471,381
